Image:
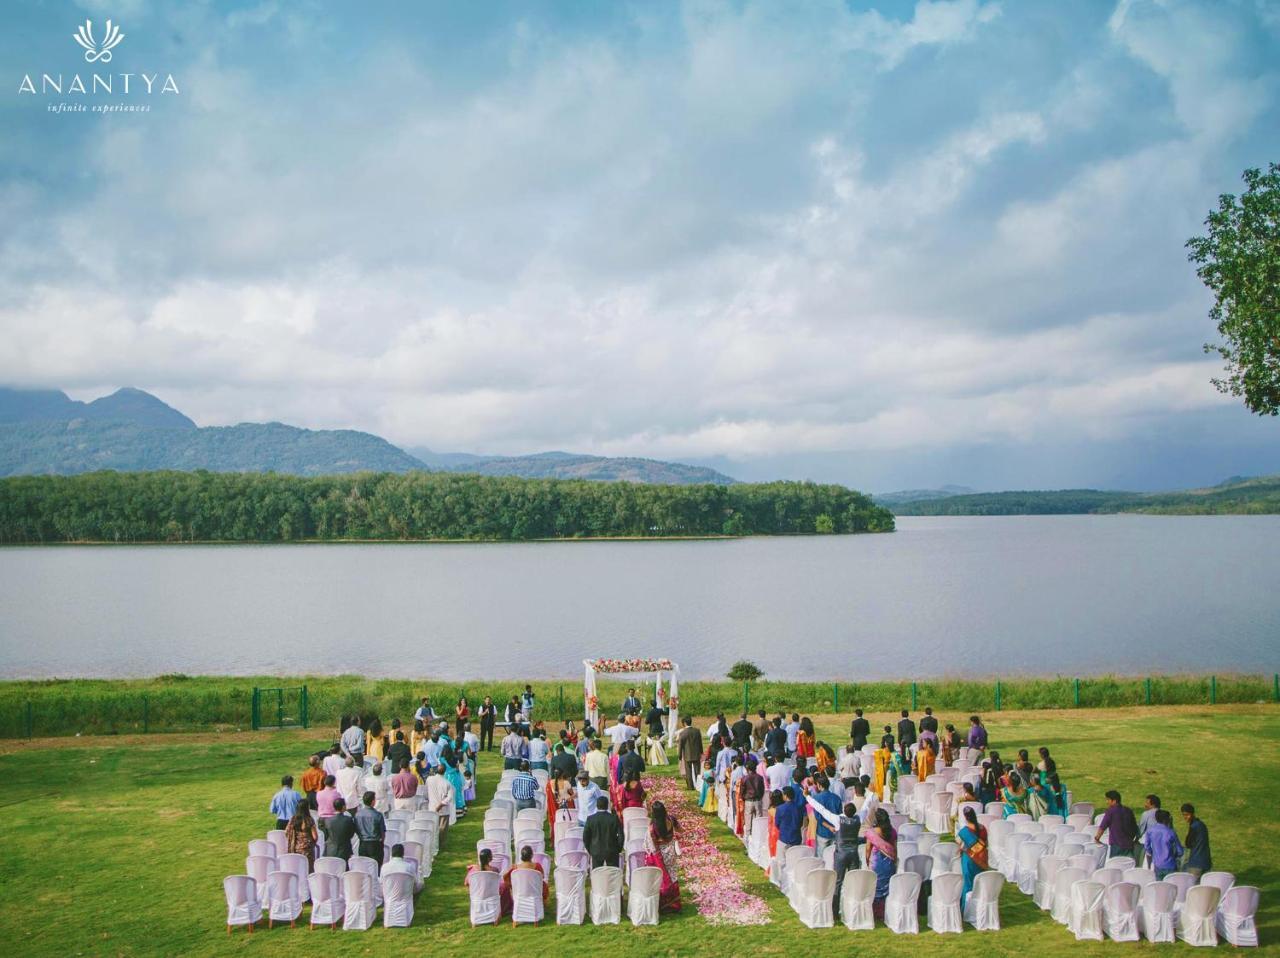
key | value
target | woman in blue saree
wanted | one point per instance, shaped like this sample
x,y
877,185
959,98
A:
x,y
1052,788
973,853
884,858
1014,795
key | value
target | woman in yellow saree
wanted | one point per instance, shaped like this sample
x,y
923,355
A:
x,y
926,759
883,757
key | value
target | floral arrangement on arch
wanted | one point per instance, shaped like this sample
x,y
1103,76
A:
x,y
673,701
593,703
614,666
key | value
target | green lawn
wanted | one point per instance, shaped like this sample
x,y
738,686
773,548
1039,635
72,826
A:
x,y
119,845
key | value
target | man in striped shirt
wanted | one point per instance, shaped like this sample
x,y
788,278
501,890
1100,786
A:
x,y
523,787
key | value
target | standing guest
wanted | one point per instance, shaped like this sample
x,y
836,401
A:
x,y
689,748
285,802
461,715
471,742
929,724
1015,797
560,796
338,830
926,758
870,805
977,734
631,794
512,748
524,787
707,797
741,732
398,866
1150,806
859,732
776,774
790,817
564,762
440,797
825,758
404,788
349,782
375,744
973,852
527,704
760,728
602,835
906,730
585,796
488,718
380,784
399,754
1119,824
775,741
793,733
300,835
849,764
511,712
631,702
806,745
822,796
884,858
537,752
631,763
752,787
353,742
418,736
596,765
653,719
951,745
327,799
1199,860
887,740
662,850
845,827
884,758
992,778
333,762
1161,844
371,828
620,733
312,780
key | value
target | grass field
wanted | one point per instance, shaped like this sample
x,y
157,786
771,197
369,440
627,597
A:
x,y
118,845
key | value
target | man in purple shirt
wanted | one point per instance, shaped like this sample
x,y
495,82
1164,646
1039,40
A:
x,y
1119,824
977,734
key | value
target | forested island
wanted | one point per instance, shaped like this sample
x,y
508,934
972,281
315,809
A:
x,y
169,506
1235,496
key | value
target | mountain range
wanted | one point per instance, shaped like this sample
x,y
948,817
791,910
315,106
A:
x,y
45,431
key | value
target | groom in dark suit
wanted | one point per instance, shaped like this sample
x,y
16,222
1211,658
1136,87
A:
x,y
602,835
689,742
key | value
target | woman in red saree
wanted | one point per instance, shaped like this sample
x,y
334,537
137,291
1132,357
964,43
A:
x,y
560,795
663,851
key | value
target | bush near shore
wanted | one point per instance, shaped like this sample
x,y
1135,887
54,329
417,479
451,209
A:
x,y
181,703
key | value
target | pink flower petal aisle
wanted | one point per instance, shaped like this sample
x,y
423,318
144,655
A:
x,y
706,871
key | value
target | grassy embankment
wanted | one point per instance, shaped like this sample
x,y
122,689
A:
x,y
182,703
118,846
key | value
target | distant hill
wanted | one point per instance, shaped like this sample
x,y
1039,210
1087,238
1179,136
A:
x,y
565,465
53,405
1260,495
920,495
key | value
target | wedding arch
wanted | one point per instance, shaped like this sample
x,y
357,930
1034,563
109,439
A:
x,y
667,698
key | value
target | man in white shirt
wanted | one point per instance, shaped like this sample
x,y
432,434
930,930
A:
x,y
350,783
620,733
870,806
585,794
378,782
353,742
471,739
400,865
793,730
512,749
776,775
425,714
440,797
848,765
334,762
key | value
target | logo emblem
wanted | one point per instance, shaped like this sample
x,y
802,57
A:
x,y
93,50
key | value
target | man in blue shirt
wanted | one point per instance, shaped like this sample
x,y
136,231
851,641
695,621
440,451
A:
x,y
789,817
285,802
792,730
1199,860
523,788
824,797
432,749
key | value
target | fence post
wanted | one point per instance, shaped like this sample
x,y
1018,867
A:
x,y
146,715
306,712
1076,686
562,703
257,708
746,697
30,723
835,698
997,695
1148,691
1213,690
913,696
1275,684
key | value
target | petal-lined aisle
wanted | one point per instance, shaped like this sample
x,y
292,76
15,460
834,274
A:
x,y
706,871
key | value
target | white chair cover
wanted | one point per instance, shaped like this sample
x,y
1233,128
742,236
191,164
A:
x,y
1027,867
1009,855
1067,876
359,908
397,900
1120,911
944,903
1236,916
634,815
982,908
606,895
856,898
937,816
1196,920
243,907
1079,822
327,905
259,868
926,842
260,846
330,865
1183,882
1082,808
1156,918
796,877
362,863
907,850
816,894
1219,880
526,896
579,860
997,832
1140,876
909,831
793,854
279,841
1086,910
485,890
298,865
758,843
1106,877
829,857
900,907
417,852
1046,872
1085,862
571,894
566,845
642,898
1121,863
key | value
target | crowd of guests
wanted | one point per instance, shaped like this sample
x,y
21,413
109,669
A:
x,y
816,795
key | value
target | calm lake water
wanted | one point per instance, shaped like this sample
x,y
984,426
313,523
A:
x,y
942,596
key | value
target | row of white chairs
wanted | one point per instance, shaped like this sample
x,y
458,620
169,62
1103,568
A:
x,y
352,898
571,896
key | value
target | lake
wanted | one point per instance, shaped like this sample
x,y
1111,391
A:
x,y
1075,595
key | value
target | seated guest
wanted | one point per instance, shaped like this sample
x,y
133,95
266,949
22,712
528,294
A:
x,y
398,866
486,865
338,830
524,787
526,863
284,802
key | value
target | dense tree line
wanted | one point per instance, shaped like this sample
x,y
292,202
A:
x,y
268,507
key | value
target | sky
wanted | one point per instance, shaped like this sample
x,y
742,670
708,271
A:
x,y
893,245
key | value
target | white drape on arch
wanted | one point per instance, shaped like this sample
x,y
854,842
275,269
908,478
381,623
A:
x,y
669,697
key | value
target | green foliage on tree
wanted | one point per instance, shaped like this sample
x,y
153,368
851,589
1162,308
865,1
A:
x,y
268,507
744,671
1239,260
824,524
